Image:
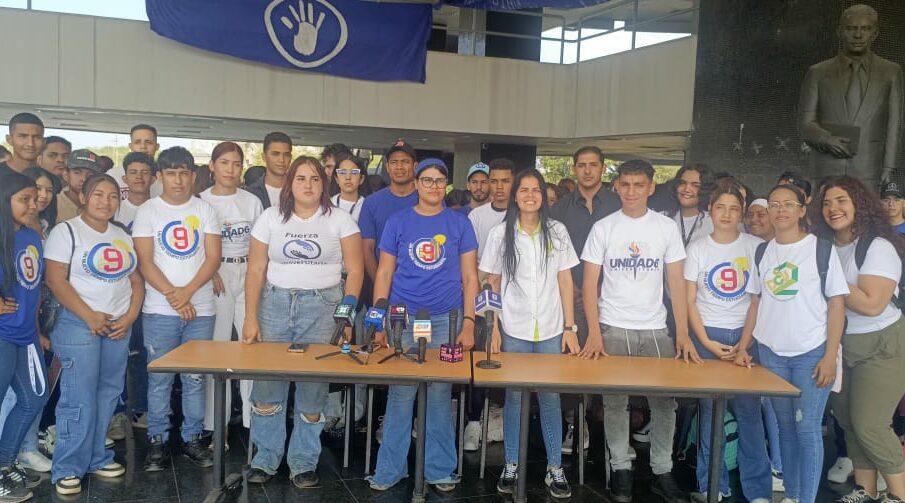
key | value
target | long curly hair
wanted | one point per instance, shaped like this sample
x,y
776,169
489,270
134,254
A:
x,y
870,217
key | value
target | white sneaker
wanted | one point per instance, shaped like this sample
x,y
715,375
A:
x,y
881,484
472,441
117,428
378,435
34,461
48,438
841,471
109,442
788,500
587,440
568,439
495,425
778,485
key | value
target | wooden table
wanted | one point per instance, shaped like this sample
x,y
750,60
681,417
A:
x,y
270,361
629,376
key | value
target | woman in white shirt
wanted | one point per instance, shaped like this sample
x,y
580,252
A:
x,y
717,272
92,270
529,258
693,222
349,175
798,328
298,250
237,211
873,347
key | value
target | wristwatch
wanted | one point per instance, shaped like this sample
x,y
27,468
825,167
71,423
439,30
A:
x,y
571,328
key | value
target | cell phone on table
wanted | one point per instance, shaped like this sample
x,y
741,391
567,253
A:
x,y
297,347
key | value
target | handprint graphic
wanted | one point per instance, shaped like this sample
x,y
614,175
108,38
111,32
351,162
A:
x,y
307,33
305,40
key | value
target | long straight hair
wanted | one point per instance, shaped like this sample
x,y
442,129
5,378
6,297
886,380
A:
x,y
510,254
49,214
287,199
10,185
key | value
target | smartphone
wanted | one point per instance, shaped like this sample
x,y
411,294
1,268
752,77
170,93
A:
x,y
297,347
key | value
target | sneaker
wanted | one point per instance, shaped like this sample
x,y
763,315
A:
x,y
495,424
305,480
788,500
778,486
195,452
378,435
110,470
258,476
140,421
117,429
445,487
34,461
643,434
158,455
472,441
632,453
840,471
881,483
12,491
506,484
858,495
69,485
379,487
568,440
621,486
665,487
48,438
109,442
701,497
27,479
556,483
891,498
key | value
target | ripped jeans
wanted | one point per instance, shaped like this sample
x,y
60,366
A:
x,y
291,315
800,432
163,334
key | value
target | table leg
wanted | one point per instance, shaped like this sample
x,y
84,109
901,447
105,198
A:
x,y
368,434
716,449
219,425
521,482
420,487
461,428
484,420
581,428
350,408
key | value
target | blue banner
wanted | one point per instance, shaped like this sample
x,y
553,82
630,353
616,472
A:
x,y
347,38
522,4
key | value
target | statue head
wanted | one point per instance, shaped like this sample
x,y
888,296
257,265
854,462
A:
x,y
858,28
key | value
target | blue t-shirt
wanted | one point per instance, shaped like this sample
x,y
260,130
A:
x,y
901,228
427,250
377,208
20,328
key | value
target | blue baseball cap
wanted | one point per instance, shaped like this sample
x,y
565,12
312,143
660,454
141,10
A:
x,y
431,162
478,167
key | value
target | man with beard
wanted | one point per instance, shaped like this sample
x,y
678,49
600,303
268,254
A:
x,y
478,185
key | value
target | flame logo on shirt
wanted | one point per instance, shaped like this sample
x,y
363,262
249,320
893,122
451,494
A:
x,y
634,250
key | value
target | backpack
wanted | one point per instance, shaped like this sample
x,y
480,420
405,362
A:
x,y
898,298
824,249
730,445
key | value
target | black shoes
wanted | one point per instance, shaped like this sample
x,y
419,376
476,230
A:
x,y
158,457
556,483
11,489
621,486
506,484
858,495
258,476
197,453
305,480
665,487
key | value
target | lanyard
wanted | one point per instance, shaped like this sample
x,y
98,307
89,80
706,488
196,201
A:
x,y
694,227
352,209
34,371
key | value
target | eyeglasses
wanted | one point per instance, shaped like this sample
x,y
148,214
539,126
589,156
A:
x,y
784,205
433,182
347,172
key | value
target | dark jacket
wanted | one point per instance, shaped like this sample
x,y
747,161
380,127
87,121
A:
x,y
259,190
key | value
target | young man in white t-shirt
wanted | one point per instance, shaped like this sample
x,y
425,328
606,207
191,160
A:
x,y
486,217
140,174
177,238
634,248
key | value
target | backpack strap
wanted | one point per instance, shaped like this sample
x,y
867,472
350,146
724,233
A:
x,y
824,249
72,251
759,255
861,249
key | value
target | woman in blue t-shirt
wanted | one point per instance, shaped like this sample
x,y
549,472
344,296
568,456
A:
x,y
21,362
428,260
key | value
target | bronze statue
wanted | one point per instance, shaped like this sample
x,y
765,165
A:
x,y
851,105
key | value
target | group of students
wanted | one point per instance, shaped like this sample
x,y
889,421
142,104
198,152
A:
x,y
807,295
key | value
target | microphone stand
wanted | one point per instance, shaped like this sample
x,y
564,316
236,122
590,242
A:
x,y
344,349
398,353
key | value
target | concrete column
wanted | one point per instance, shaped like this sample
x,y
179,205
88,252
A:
x,y
466,154
472,26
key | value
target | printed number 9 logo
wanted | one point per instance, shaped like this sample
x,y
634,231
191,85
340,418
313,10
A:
x,y
113,260
181,238
729,278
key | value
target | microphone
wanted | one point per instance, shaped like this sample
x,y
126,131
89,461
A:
x,y
421,331
374,320
488,303
452,352
453,326
398,319
344,316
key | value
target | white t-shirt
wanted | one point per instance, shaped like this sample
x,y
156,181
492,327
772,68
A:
x,y
792,315
118,172
237,214
274,194
483,219
178,233
99,267
722,273
633,253
882,260
126,213
353,209
304,253
531,301
696,227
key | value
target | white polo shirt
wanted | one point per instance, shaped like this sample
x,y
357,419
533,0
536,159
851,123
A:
x,y
882,260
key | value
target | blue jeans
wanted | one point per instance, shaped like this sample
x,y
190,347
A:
x,y
30,400
440,436
163,334
550,410
770,424
137,370
94,370
753,462
30,442
291,316
799,421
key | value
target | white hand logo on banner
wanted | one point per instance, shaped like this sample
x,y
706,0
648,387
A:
x,y
305,23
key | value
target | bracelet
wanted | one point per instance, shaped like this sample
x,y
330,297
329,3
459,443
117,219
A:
x,y
469,318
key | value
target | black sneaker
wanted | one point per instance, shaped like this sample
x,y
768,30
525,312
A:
x,y
27,479
665,487
858,495
12,491
891,498
621,486
258,476
506,484
197,453
556,483
158,457
305,480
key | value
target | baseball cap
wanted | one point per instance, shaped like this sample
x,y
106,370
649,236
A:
x,y
84,158
431,162
890,189
478,167
402,146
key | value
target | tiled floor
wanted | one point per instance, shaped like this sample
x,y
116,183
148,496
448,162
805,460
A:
x,y
184,483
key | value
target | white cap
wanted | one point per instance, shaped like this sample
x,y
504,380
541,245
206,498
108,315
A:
x,y
760,202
